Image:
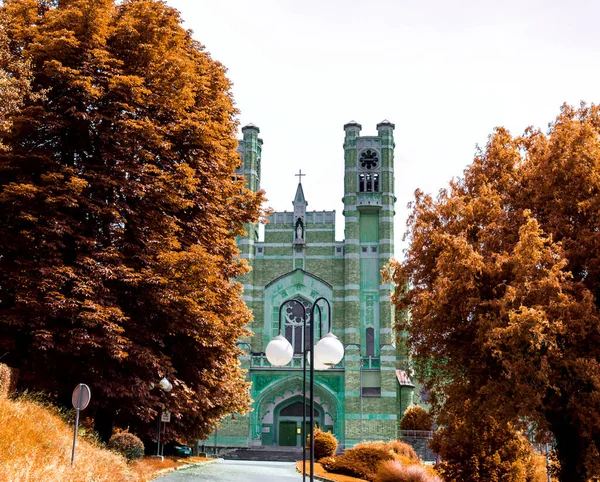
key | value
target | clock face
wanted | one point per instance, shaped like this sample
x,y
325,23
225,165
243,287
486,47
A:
x,y
369,159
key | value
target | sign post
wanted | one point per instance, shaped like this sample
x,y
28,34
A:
x,y
165,416
81,399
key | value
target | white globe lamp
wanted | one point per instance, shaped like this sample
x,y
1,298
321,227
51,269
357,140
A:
x,y
279,351
329,351
165,385
318,365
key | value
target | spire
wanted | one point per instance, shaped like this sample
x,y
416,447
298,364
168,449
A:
x,y
299,197
299,213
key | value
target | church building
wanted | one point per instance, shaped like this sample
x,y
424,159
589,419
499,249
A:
x,y
299,260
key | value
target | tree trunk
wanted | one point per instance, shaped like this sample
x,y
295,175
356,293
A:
x,y
570,452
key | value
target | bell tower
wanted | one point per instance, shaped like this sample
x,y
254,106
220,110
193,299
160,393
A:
x,y
369,220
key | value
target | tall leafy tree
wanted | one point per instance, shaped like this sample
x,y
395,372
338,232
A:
x,y
15,78
502,282
119,208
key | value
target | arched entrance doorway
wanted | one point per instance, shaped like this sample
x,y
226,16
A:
x,y
288,421
285,392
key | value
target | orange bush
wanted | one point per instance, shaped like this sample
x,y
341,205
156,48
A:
x,y
395,471
346,466
127,444
403,449
8,380
416,418
325,444
362,461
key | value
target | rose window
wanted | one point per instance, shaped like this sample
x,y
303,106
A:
x,y
368,159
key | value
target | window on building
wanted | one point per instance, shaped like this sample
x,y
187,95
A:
x,y
368,178
297,410
370,342
294,316
369,159
368,182
371,383
371,392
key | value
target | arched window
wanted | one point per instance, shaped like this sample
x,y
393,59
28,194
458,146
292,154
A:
x,y
370,339
293,316
297,410
368,177
368,182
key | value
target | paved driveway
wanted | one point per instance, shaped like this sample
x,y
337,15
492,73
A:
x,y
236,471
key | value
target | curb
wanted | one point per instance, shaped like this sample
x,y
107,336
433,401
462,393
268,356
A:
x,y
316,477
197,464
182,467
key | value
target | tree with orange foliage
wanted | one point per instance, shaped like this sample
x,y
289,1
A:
x,y
15,78
119,208
502,280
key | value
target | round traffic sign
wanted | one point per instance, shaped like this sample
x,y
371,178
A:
x,y
81,396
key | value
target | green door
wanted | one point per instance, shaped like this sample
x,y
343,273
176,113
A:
x,y
287,434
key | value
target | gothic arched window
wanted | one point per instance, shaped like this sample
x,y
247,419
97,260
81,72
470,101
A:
x,y
368,182
368,176
370,339
293,316
296,410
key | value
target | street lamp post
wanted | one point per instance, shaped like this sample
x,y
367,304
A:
x,y
327,352
166,386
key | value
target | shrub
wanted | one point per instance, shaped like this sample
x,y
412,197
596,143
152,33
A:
x,y
127,444
8,380
403,449
346,466
478,447
370,455
416,418
362,461
325,444
394,471
327,463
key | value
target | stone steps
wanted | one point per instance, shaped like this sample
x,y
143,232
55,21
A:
x,y
272,454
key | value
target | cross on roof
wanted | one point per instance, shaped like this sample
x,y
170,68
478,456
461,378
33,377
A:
x,y
300,175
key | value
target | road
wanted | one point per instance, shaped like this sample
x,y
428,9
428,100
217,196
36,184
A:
x,y
236,471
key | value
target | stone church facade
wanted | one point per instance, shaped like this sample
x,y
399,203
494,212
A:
x,y
299,260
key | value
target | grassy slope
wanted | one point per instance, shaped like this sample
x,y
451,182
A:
x,y
35,445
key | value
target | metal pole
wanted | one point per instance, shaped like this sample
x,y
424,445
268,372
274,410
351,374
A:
x,y
547,463
304,409
75,433
312,380
361,397
158,441
312,399
304,323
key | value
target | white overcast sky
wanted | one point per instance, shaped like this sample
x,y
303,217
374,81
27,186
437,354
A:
x,y
445,72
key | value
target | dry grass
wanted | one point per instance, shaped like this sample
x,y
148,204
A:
x,y
36,442
35,445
